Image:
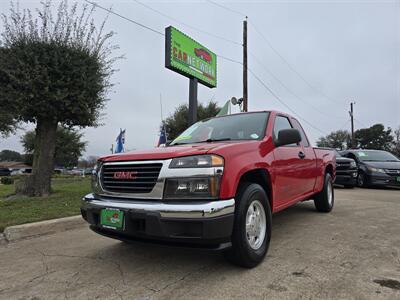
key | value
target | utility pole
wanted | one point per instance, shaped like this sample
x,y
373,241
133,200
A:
x,y
351,112
192,101
245,93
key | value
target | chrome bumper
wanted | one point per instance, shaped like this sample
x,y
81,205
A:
x,y
192,210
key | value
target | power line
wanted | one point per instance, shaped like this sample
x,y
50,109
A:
x,y
276,52
283,103
361,123
290,66
149,28
227,8
186,24
288,89
223,57
125,18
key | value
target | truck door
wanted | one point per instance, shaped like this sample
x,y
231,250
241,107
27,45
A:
x,y
309,164
288,167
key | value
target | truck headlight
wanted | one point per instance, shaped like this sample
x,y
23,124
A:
x,y
353,164
192,187
197,161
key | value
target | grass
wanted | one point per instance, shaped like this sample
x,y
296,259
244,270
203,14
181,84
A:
x,y
63,202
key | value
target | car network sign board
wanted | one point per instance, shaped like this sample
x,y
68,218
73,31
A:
x,y
189,58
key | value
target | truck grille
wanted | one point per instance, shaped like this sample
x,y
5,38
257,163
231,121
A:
x,y
130,178
342,165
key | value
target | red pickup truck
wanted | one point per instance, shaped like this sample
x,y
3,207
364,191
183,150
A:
x,y
215,186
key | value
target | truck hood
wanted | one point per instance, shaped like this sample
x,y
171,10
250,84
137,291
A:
x,y
344,159
163,152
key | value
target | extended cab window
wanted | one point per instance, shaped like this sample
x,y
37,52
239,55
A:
x,y
304,140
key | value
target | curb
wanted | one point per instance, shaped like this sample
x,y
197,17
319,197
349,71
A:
x,y
30,230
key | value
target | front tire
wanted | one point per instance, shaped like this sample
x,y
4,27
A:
x,y
252,226
325,199
361,179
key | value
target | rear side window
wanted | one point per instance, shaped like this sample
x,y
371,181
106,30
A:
x,y
281,123
304,140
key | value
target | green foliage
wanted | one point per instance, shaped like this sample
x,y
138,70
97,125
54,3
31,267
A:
x,y
396,146
64,202
375,137
178,121
7,180
69,146
54,70
9,155
339,139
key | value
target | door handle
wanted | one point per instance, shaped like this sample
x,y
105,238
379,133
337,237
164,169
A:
x,y
302,155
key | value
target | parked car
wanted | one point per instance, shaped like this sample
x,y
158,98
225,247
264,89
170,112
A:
x,y
215,186
346,171
375,167
5,172
75,172
21,171
88,171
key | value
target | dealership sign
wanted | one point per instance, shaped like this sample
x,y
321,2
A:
x,y
189,58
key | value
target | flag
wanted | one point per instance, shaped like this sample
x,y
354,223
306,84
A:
x,y
162,141
225,109
120,142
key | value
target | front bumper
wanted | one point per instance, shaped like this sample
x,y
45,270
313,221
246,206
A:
x,y
348,177
383,180
204,224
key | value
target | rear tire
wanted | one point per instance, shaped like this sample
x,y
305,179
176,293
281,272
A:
x,y
252,226
325,199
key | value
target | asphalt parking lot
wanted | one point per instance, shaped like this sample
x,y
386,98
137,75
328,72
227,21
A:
x,y
352,253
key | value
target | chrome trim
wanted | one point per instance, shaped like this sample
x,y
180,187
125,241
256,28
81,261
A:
x,y
165,172
196,210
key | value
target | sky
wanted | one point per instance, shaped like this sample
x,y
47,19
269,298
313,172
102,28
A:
x,y
314,56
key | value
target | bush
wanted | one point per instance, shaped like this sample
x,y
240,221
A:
x,y
7,180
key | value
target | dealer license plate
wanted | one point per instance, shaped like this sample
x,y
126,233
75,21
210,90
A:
x,y
112,218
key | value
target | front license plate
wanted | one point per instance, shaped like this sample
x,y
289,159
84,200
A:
x,y
112,218
398,178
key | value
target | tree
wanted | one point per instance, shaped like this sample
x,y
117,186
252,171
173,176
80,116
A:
x,y
88,162
396,146
178,121
375,137
54,70
10,155
339,139
69,146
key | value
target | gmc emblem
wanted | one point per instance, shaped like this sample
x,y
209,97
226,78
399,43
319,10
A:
x,y
125,175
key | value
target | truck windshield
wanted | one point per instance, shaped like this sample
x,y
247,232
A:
x,y
249,126
376,156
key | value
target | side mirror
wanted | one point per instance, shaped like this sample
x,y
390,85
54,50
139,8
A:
x,y
287,137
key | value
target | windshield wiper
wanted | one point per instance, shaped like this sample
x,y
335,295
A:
x,y
215,140
206,141
176,144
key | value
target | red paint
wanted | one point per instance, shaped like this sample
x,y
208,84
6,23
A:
x,y
291,179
